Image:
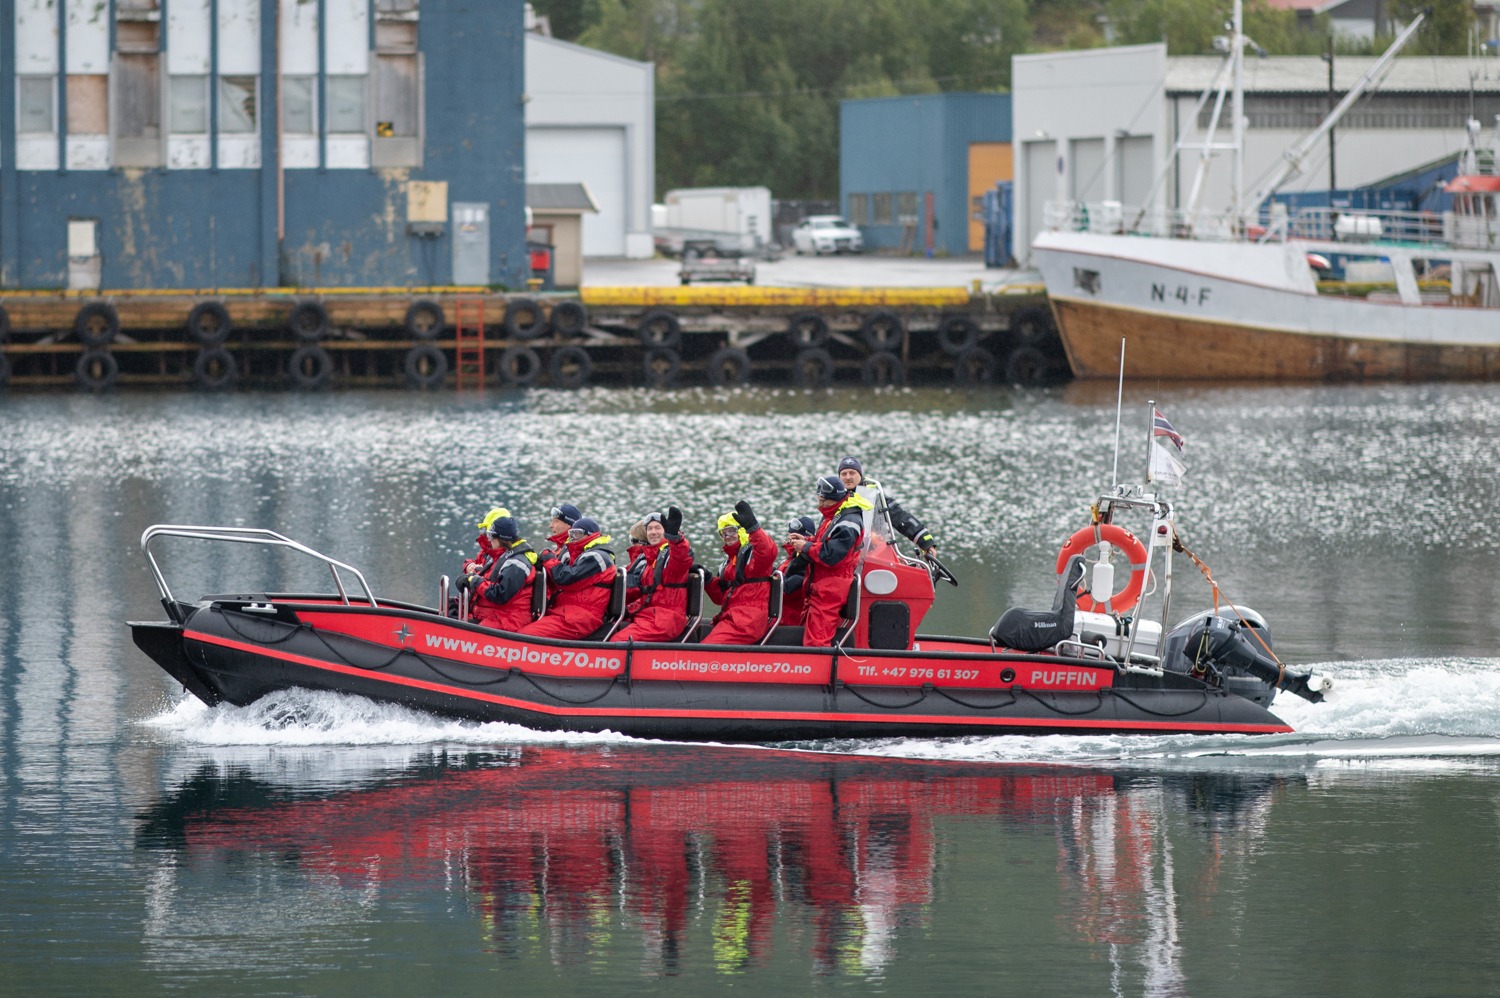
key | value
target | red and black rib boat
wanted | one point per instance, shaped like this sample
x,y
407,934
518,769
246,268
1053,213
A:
x,y
1083,666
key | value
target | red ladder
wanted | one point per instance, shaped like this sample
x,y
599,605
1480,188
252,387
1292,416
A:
x,y
468,341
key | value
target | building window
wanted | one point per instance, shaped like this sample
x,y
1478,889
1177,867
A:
x,y
88,104
297,105
883,213
188,110
396,82
346,105
906,207
859,209
236,105
396,96
35,113
137,84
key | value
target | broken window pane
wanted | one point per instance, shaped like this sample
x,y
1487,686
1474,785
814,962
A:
x,y
236,104
189,107
137,36
138,98
34,95
396,96
346,104
297,105
88,104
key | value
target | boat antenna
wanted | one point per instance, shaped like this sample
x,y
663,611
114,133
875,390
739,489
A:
x,y
1114,477
1150,435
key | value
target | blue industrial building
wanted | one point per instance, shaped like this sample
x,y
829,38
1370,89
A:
x,y
202,144
913,170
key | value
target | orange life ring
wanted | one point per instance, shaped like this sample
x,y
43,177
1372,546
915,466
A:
x,y
1124,600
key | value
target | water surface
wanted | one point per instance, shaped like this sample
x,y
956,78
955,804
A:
x,y
316,844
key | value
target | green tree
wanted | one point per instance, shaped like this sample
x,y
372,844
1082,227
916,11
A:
x,y
1449,28
568,18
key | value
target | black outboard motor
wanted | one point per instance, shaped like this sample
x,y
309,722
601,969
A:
x,y
1222,644
1034,630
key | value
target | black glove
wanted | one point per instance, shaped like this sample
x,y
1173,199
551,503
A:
x,y
546,558
927,543
672,522
746,516
464,582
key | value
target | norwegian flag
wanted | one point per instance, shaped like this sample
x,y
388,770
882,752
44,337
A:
x,y
1162,428
1166,450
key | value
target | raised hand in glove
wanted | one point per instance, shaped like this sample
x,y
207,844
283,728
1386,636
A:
x,y
464,582
927,543
746,516
672,522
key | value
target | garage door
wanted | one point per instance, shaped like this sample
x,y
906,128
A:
x,y
594,156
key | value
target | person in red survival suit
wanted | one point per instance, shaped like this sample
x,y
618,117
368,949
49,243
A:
x,y
637,557
502,592
743,586
832,558
660,613
794,570
582,579
564,515
484,558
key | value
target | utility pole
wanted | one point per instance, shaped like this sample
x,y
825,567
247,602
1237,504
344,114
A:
x,y
1332,98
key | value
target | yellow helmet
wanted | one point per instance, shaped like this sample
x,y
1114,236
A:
x,y
728,520
492,516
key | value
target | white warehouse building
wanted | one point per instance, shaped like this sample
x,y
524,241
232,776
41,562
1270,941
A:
x,y
1101,125
591,119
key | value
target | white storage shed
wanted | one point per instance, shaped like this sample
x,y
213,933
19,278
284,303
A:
x,y
590,119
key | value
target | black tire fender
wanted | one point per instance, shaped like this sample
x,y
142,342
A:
x,y
524,319
957,333
569,367
4,369
4,325
1032,325
208,323
308,322
569,318
425,366
659,328
882,368
96,370
882,330
214,369
1028,367
660,367
519,366
729,367
813,368
807,330
975,366
97,324
309,366
424,320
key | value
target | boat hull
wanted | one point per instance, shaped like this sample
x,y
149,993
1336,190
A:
x,y
1242,311
238,653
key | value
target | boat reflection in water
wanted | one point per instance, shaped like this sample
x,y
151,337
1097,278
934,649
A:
x,y
700,856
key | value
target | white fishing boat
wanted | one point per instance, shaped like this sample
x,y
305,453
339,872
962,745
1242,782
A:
x,y
1243,294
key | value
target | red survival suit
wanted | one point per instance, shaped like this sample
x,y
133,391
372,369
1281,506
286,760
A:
x,y
833,558
502,599
743,589
660,612
793,586
582,585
